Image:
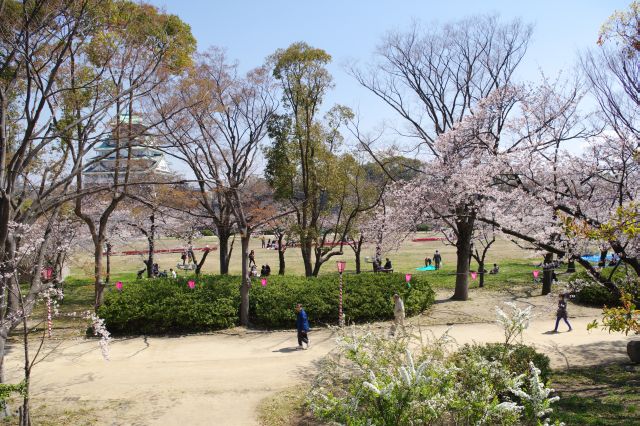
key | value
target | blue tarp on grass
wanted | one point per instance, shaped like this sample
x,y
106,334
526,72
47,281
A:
x,y
426,268
595,258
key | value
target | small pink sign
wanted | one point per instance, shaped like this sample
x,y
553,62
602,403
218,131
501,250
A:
x,y
192,284
263,282
536,273
474,275
119,285
407,277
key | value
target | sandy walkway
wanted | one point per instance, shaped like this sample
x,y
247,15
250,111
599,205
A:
x,y
219,379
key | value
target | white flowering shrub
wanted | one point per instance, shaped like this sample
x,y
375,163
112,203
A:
x,y
514,321
100,330
372,380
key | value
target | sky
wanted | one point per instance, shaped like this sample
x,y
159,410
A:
x,y
250,30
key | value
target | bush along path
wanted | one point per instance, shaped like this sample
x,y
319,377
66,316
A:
x,y
172,305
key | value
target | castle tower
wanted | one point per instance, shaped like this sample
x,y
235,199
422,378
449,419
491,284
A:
x,y
146,160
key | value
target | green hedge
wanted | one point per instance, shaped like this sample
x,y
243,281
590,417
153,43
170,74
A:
x,y
165,305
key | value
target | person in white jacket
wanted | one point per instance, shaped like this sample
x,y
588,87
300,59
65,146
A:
x,y
398,314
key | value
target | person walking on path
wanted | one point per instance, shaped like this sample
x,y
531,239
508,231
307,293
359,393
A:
x,y
561,313
437,259
252,258
302,326
264,242
398,314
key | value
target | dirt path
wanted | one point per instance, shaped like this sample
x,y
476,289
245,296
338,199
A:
x,y
219,379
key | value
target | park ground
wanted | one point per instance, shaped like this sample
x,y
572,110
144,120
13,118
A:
x,y
250,377
244,377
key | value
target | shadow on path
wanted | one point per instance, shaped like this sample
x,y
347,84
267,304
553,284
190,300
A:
x,y
287,350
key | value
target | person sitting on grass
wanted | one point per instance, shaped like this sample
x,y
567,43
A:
x,y
263,271
173,273
495,269
388,267
427,261
267,270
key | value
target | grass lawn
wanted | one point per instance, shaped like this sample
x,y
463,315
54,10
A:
x,y
600,395
515,263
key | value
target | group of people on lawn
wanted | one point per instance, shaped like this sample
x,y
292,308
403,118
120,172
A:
x,y
265,270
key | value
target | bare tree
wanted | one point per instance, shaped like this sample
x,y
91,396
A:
x,y
218,137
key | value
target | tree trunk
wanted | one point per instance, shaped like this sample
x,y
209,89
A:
x,y
11,282
306,247
98,284
151,241
25,419
281,262
223,247
464,224
3,342
357,250
547,274
200,264
246,281
108,271
603,258
318,261
481,273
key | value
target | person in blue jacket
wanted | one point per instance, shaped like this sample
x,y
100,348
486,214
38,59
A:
x,y
302,325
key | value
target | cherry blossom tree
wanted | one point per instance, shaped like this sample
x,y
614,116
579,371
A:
x,y
433,79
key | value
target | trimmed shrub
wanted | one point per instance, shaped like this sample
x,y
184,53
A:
x,y
366,297
166,305
207,233
514,358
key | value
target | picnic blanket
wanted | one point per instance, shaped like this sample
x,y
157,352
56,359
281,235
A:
x,y
426,268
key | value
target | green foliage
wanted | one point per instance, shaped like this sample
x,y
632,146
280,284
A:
x,y
423,227
595,294
207,233
398,167
128,25
515,358
166,305
624,319
7,389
